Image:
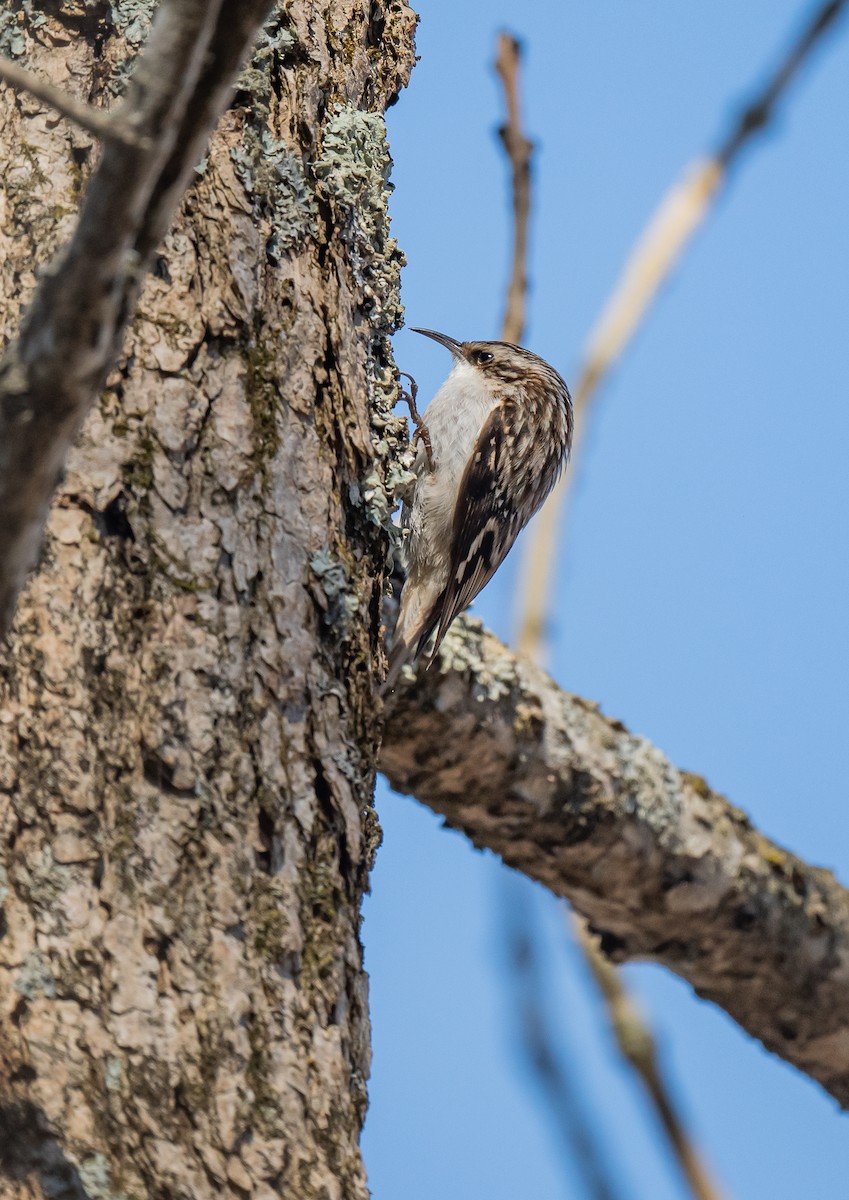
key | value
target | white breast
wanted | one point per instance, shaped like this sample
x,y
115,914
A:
x,y
454,419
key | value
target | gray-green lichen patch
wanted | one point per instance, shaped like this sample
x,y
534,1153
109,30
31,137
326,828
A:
x,y
392,444
275,43
113,1074
651,786
15,21
391,478
41,879
272,175
494,674
373,494
35,976
354,167
131,19
96,1179
336,596
275,180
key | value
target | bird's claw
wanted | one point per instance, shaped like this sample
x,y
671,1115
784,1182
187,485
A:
x,y
422,434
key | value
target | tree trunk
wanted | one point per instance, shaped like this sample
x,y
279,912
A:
x,y
187,725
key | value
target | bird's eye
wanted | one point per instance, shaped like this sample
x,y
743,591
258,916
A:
x,y
482,357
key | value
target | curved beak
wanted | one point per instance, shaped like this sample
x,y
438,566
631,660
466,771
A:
x,y
449,343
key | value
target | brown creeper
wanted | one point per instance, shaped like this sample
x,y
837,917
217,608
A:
x,y
501,429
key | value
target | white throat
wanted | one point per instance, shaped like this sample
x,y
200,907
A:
x,y
455,416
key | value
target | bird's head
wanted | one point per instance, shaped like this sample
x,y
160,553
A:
x,y
505,369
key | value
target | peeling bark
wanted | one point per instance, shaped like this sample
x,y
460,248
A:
x,y
187,731
662,865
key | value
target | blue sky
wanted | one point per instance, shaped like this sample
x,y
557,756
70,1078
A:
x,y
702,579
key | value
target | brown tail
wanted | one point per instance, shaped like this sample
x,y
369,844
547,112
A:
x,y
408,649
398,656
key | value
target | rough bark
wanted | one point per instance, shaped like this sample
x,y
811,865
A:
x,y
187,734
73,328
665,867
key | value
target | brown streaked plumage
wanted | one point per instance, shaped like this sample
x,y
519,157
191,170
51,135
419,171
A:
x,y
501,429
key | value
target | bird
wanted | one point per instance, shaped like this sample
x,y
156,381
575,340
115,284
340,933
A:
x,y
494,441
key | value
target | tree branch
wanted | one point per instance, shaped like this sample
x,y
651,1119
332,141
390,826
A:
x,y
519,150
558,1080
96,121
73,329
662,865
638,1047
633,1036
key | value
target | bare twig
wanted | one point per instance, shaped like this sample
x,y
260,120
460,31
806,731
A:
x,y
637,1044
519,151
422,432
655,254
651,855
74,327
101,123
555,1082
552,1077
555,1076
760,112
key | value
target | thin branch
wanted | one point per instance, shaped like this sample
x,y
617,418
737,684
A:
x,y
101,123
231,42
74,327
652,856
552,1078
519,150
555,1082
653,258
761,111
637,1045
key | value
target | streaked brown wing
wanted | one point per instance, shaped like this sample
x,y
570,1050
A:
x,y
491,510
